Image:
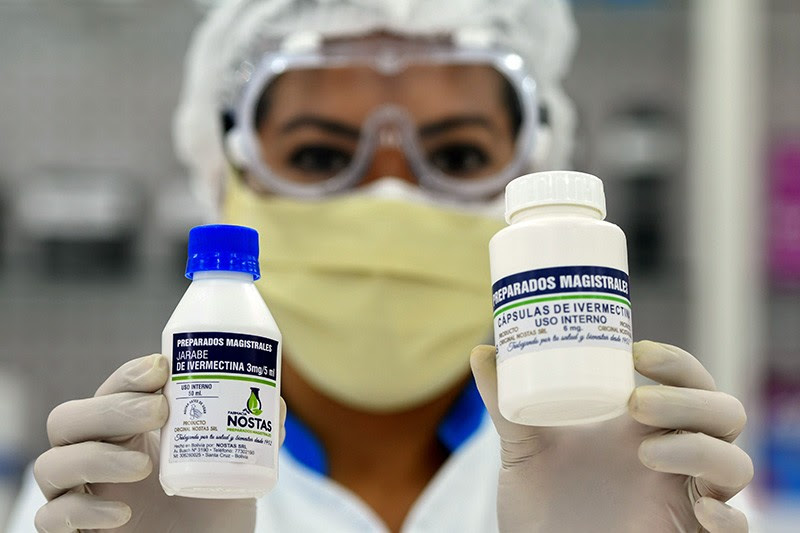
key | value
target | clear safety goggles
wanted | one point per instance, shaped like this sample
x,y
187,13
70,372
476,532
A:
x,y
310,123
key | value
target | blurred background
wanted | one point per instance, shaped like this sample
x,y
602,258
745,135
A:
x,y
689,111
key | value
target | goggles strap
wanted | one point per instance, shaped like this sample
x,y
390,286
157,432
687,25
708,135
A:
x,y
301,41
475,37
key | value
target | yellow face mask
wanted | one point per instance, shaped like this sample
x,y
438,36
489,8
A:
x,y
380,300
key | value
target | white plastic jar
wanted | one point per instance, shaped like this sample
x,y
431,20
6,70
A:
x,y
223,433
562,312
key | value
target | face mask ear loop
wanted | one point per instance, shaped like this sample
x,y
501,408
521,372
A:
x,y
232,173
541,149
537,159
234,148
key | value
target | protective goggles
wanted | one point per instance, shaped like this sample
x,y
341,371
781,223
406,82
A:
x,y
310,123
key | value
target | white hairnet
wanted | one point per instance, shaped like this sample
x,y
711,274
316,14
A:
x,y
541,31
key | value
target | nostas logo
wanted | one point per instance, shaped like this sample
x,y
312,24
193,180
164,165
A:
x,y
254,402
249,419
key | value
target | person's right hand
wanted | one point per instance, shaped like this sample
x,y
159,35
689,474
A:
x,y
102,471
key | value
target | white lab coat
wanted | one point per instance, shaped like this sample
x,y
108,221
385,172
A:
x,y
460,498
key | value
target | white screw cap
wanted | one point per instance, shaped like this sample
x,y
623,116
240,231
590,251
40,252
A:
x,y
557,187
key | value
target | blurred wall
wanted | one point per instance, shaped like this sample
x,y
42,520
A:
x,y
90,84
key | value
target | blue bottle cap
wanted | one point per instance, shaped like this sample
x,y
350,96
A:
x,y
223,247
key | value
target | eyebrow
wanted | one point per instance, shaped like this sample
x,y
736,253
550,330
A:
x,y
441,126
345,130
330,126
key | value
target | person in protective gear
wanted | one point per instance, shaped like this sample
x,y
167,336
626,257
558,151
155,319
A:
x,y
369,143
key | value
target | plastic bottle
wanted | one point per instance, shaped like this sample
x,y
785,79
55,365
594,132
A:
x,y
562,314
222,436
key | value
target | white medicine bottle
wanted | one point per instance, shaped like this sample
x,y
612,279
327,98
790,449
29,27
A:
x,y
561,299
222,436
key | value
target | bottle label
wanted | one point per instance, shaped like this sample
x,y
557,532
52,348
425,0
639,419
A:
x,y
561,307
223,398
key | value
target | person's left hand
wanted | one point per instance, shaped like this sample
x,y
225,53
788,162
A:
x,y
667,465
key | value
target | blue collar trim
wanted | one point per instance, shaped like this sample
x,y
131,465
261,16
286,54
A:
x,y
460,423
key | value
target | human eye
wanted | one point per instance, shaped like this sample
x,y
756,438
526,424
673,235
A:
x,y
321,160
462,159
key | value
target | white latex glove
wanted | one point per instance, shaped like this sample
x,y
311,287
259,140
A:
x,y
102,471
668,465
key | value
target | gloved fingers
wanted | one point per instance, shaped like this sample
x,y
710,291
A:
x,y
63,468
720,469
283,420
106,417
710,412
670,365
73,511
144,374
483,363
718,517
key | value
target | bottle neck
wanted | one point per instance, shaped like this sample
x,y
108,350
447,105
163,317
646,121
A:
x,y
222,274
541,211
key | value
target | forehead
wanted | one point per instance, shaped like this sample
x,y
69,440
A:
x,y
427,91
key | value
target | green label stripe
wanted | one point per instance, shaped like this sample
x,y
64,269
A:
x,y
568,297
253,431
206,377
